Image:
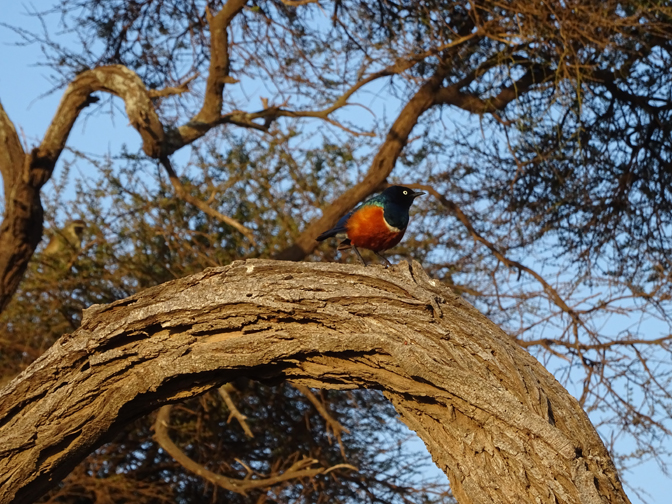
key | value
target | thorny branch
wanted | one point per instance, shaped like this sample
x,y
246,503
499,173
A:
x,y
510,263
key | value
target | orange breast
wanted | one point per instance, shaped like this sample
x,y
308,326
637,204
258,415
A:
x,y
367,229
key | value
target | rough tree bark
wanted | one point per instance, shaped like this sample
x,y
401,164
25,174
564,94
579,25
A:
x,y
501,427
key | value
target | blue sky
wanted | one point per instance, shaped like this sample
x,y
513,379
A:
x,y
23,85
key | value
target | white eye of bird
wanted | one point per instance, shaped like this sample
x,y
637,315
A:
x,y
405,193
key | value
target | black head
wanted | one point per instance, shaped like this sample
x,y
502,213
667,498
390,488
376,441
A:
x,y
400,195
77,227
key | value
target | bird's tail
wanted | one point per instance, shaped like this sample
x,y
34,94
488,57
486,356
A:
x,y
332,232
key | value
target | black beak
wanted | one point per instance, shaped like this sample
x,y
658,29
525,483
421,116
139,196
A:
x,y
418,193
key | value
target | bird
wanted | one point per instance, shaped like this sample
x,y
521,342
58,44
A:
x,y
378,224
66,241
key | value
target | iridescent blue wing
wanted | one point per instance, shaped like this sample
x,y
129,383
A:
x,y
339,229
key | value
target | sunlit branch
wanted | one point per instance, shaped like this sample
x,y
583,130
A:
x,y
185,195
510,263
233,410
299,469
332,423
114,79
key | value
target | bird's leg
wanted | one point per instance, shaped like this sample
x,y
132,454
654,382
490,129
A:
x,y
359,255
387,263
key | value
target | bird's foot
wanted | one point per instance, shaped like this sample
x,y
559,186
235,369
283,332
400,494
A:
x,y
361,259
387,263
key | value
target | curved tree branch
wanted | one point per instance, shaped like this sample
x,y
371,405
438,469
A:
x,y
298,470
114,79
501,427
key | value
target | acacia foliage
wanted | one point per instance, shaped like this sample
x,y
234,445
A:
x,y
546,144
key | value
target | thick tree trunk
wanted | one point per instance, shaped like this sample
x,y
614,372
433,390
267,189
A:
x,y
501,427
21,226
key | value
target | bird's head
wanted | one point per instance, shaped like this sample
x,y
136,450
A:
x,y
400,195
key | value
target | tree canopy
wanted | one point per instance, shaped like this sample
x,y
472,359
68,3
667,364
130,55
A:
x,y
540,130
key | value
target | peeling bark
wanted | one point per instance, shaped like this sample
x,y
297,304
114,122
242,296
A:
x,y
501,427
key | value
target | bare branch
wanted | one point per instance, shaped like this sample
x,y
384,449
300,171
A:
x,y
172,91
297,470
184,194
233,411
270,114
451,95
595,346
218,73
335,425
381,166
398,67
509,263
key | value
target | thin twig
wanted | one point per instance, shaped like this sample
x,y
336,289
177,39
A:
x,y
233,411
332,423
183,194
510,263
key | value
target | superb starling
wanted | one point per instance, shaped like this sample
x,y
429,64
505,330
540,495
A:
x,y
377,224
